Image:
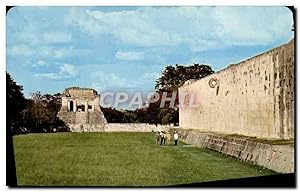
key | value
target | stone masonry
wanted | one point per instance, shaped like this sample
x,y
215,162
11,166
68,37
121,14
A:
x,y
277,157
81,110
255,97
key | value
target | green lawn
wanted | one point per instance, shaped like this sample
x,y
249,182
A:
x,y
119,159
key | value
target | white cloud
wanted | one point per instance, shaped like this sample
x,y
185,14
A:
x,y
130,56
66,71
151,75
39,63
104,81
198,60
200,28
22,50
36,26
53,52
43,52
56,37
128,26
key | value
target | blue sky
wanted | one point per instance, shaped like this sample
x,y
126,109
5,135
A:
x,y
126,48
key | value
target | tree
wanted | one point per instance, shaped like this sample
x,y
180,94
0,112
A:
x,y
113,115
15,103
172,78
40,114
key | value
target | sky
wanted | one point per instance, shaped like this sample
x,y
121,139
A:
x,y
126,48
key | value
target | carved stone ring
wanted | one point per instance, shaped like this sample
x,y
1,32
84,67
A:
x,y
213,82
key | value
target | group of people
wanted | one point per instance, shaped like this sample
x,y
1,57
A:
x,y
162,137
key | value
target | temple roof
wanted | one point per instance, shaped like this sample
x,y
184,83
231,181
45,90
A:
x,y
80,92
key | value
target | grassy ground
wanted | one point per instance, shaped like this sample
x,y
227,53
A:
x,y
119,159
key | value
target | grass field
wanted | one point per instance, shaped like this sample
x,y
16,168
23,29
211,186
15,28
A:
x,y
119,159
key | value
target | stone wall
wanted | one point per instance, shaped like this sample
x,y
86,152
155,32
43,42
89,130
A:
x,y
87,127
67,116
117,127
279,158
252,98
135,127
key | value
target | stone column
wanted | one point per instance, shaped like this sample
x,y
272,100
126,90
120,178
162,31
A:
x,y
75,105
68,105
86,106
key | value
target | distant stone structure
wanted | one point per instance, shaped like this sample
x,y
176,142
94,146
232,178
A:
x,y
81,110
253,98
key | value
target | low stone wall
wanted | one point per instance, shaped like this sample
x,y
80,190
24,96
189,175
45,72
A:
x,y
135,127
86,127
118,127
279,158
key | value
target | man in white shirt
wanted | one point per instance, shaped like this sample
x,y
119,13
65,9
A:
x,y
161,137
157,136
175,137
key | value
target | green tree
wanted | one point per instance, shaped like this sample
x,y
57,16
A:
x,y
174,77
41,111
15,103
113,115
171,79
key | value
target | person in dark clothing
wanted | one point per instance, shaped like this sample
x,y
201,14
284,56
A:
x,y
162,138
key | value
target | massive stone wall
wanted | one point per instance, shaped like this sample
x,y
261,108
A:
x,y
252,98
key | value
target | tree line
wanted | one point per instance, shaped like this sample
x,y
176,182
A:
x,y
35,114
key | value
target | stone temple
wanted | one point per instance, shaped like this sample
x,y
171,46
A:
x,y
81,111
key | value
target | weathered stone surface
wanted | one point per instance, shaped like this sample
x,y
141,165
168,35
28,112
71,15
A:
x,y
252,98
135,127
81,110
279,158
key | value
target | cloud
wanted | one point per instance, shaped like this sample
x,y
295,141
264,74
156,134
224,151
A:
x,y
66,71
102,80
39,63
16,50
43,52
130,56
57,37
131,27
110,81
200,28
52,52
197,60
151,75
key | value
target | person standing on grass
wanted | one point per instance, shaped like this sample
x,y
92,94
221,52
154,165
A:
x,y
168,137
157,137
175,137
162,138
